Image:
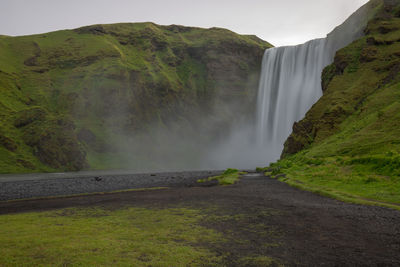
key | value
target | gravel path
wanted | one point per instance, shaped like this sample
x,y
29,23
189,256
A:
x,y
60,184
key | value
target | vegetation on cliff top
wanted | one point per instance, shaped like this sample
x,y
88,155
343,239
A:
x,y
69,97
348,145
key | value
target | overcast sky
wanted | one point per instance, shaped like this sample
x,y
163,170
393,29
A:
x,y
281,22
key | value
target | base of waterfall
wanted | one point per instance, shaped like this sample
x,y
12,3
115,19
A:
x,y
259,220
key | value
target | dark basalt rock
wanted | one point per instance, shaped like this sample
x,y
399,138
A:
x,y
32,61
8,143
394,71
60,151
26,164
94,29
178,28
303,134
327,75
368,54
27,116
341,62
55,144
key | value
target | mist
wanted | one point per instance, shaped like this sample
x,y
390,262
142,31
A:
x,y
243,133
217,139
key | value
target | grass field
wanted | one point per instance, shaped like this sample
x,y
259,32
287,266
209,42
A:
x,y
136,236
101,237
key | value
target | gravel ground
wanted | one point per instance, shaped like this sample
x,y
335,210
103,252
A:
x,y
258,217
60,184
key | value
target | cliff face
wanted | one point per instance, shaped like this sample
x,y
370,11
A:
x,y
358,113
68,98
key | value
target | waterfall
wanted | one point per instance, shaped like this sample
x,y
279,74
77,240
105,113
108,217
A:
x,y
290,81
290,84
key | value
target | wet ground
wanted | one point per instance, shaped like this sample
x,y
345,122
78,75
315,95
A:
x,y
264,217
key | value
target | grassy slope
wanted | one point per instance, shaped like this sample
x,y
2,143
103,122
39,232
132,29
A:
x,y
348,145
64,95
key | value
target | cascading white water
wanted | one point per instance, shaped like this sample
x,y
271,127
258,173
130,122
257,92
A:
x,y
290,81
290,84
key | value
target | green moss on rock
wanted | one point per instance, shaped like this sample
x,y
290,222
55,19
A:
x,y
29,115
117,80
55,144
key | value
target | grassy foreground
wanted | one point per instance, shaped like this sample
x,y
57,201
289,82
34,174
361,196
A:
x,y
95,236
132,236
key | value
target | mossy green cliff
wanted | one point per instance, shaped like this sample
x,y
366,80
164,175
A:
x,y
349,141
68,97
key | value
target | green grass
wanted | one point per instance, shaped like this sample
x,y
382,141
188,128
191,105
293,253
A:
x,y
229,177
100,237
133,236
365,181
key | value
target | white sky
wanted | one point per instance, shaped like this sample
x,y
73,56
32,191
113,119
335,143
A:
x,y
280,22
